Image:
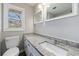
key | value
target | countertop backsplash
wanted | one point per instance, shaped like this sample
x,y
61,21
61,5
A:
x,y
61,41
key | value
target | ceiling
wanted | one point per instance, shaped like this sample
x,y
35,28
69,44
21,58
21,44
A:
x,y
32,4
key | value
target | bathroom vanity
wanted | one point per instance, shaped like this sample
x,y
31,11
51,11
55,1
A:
x,y
30,49
36,45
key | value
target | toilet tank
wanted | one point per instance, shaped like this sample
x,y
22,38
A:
x,y
12,41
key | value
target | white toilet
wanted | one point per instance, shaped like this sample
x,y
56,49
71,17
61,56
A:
x,y
11,45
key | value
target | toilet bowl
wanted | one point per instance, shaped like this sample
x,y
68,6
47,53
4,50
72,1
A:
x,y
11,44
12,52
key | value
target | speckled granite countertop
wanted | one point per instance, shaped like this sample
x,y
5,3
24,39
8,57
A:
x,y
35,40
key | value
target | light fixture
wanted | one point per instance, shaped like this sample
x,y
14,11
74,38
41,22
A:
x,y
47,5
40,6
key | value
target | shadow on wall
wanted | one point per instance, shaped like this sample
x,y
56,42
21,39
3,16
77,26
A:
x,y
21,44
0,48
3,47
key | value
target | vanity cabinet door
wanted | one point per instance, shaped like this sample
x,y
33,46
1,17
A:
x,y
27,47
34,51
30,50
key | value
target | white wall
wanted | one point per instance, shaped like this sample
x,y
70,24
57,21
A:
x,y
28,25
0,29
0,22
28,20
66,28
28,17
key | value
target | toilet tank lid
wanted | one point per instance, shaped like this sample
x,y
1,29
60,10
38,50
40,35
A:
x,y
11,37
11,52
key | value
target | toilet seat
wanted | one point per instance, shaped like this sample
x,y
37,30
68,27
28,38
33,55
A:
x,y
12,52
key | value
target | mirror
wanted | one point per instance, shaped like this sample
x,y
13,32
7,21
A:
x,y
58,9
51,11
38,17
38,10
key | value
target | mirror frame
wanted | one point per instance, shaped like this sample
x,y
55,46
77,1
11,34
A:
x,y
37,11
6,8
74,13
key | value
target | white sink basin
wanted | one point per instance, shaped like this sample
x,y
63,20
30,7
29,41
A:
x,y
54,49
